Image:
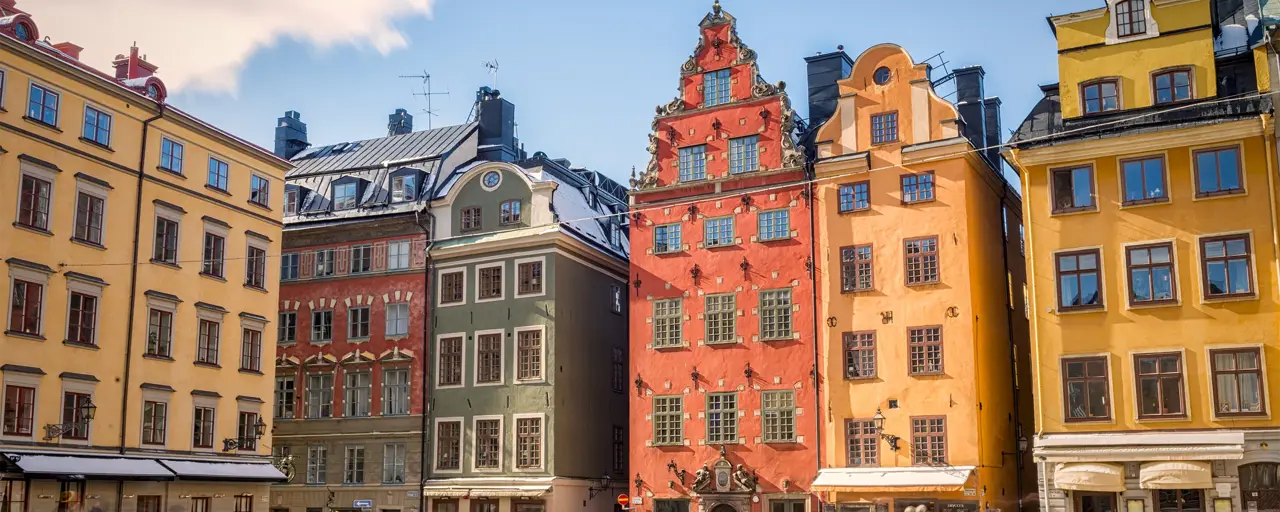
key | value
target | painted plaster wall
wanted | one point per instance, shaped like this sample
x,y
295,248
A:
x,y
715,54
473,193
174,496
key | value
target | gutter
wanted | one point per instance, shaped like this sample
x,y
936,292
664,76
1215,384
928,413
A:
x,y
813,285
427,410
1268,141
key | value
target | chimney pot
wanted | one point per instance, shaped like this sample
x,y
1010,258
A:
x,y
69,48
291,135
399,123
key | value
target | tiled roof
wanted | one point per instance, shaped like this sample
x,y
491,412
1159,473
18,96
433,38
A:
x,y
372,153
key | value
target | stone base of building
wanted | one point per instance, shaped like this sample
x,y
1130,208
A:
x,y
534,494
345,497
108,496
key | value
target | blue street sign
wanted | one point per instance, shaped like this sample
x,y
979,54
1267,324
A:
x,y
362,504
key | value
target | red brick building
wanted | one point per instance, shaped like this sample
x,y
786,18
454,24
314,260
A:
x,y
722,353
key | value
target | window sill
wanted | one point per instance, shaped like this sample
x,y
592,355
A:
x,y
1241,416
163,263
286,343
1074,211
859,379
719,246
1155,304
671,348
667,253
1077,421
80,344
97,144
30,336
171,172
251,372
158,357
728,343
927,374
1082,310
853,211
203,364
1219,194
89,244
255,288
1144,202
775,339
923,284
770,240
1163,419
320,343
1243,297
214,277
41,124
259,205
920,201
360,339
32,229
218,190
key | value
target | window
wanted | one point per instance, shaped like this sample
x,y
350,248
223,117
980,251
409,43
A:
x,y
321,326
1101,96
97,126
361,259
153,422
207,345
320,396
528,442
1131,18
488,444
171,155
290,201
160,334
775,314
922,260
1095,501
286,394
452,285
1218,172
259,190
317,464
471,218
89,212
1159,385
251,351
1079,280
287,330
449,445
289,267
774,225
43,106
145,504
857,271
924,345
1237,382
1151,277
917,188
681,505
19,410
719,232
357,393
509,213
395,391
247,431
619,371
358,322
615,296
884,128
859,355
489,358
1172,86
1085,383
404,188
490,282
450,361
243,503
668,420
393,463
720,318
73,406
166,248
397,319
398,255
530,274
1179,500
1144,181
863,443
855,197
619,450
26,306
325,262
1073,190
199,505
214,255
715,88
666,239
779,416
344,196
722,418
202,426
1227,266
353,465
743,154
255,272
218,172
929,440
529,355
33,203
667,323
693,163
82,318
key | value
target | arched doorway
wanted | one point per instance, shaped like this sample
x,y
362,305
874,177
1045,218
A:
x,y
723,508
1260,486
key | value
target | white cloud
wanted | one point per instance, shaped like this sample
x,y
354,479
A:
x,y
202,44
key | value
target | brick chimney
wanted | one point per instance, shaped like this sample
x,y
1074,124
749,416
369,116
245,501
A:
x,y
9,8
133,66
69,48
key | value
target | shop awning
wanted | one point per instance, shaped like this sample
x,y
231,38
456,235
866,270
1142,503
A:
x,y
904,479
1176,475
514,491
1089,476
224,471
90,468
1140,447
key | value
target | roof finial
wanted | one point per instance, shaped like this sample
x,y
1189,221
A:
x,y
716,8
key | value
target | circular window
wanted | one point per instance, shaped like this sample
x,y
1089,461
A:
x,y
492,179
153,91
23,32
882,76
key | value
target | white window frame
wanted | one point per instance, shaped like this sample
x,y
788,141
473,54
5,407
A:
x,y
155,395
216,317
405,254
475,441
77,386
306,402
408,383
265,203
516,277
387,320
12,378
18,273
440,289
206,402
167,306
351,323
462,380
42,174
322,468
100,110
542,442
174,216
253,324
515,359
503,292
349,405
92,289
253,242
402,449
216,229
57,117
475,357
462,444
175,142
346,462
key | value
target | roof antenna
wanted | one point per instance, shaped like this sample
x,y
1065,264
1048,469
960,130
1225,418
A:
x,y
492,66
428,93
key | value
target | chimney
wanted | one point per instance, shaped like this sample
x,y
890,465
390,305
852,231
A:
x,y
399,123
133,66
291,135
991,110
824,71
497,118
70,49
969,101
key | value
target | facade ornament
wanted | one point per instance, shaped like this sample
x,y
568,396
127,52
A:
x,y
691,66
763,88
746,481
745,54
676,106
285,465
701,478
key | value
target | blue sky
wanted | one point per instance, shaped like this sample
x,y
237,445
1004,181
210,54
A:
x,y
585,75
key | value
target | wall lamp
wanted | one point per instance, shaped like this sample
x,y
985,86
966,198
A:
x,y
86,411
878,422
259,429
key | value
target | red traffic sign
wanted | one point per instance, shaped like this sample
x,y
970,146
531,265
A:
x,y
624,500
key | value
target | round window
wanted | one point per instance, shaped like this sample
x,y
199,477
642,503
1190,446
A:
x,y
153,91
882,76
492,179
23,32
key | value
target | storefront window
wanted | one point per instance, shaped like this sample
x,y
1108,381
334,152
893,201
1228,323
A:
x,y
1180,500
1095,502
531,507
12,495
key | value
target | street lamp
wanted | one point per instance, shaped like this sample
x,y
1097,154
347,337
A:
x,y
878,422
259,429
84,414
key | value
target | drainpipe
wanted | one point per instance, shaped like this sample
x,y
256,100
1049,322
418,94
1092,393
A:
x,y
813,285
133,290
1013,344
1268,141
425,223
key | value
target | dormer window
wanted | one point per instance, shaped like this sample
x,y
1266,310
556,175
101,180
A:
x,y
1101,96
1131,18
23,32
510,212
1172,86
345,196
153,91
291,201
470,219
404,188
715,88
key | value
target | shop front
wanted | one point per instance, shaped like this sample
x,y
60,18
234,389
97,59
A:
x,y
903,489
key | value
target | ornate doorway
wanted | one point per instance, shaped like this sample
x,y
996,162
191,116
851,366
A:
x,y
1260,486
723,508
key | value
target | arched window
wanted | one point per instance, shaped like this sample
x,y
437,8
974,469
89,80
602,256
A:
x,y
1131,17
1259,476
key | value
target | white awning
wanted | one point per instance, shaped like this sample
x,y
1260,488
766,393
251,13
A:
x,y
1089,476
1176,475
89,467
1140,447
903,479
513,491
237,471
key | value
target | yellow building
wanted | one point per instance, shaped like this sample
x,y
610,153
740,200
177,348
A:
x,y
920,404
1150,184
137,292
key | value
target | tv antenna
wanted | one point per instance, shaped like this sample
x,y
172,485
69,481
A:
x,y
492,66
427,93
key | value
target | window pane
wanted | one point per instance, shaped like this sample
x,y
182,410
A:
x,y
1133,184
1171,393
1228,399
1149,394
1228,170
1154,173
1207,168
1162,283
1082,188
1097,398
1141,284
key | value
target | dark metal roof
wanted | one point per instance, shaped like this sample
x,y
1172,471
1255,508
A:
x,y
373,153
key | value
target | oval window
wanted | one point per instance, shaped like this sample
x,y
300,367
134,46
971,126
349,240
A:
x,y
23,32
882,76
491,179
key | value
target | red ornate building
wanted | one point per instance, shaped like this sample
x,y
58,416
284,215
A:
x,y
722,353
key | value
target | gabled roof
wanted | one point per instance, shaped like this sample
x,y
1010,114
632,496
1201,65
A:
x,y
374,153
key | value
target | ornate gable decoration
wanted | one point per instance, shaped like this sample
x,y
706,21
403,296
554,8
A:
x,y
724,477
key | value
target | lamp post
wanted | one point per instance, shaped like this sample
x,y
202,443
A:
x,y
878,422
85,415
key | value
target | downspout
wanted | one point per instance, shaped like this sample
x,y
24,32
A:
x,y
813,285
1268,141
133,290
1013,345
425,223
